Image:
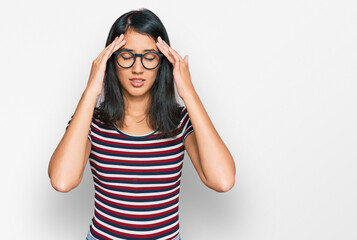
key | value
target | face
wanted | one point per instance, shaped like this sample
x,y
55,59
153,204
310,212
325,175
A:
x,y
138,43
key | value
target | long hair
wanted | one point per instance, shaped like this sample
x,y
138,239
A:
x,y
163,111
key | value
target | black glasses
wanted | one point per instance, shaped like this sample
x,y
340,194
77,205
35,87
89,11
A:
x,y
126,59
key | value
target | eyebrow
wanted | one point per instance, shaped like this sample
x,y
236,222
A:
x,y
146,50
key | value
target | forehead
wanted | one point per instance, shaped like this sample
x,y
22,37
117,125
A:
x,y
138,41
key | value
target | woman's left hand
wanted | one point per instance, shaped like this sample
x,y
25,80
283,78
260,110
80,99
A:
x,y
181,72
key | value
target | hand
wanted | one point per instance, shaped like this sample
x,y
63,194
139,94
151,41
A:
x,y
181,71
96,77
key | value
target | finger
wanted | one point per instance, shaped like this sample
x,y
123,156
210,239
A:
x,y
172,50
100,56
175,55
118,45
111,45
165,52
170,54
119,42
186,59
163,45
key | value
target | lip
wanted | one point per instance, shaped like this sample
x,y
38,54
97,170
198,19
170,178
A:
x,y
137,84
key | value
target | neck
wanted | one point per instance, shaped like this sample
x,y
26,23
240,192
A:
x,y
136,106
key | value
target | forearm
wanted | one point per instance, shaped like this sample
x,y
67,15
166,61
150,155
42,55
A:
x,y
68,160
217,163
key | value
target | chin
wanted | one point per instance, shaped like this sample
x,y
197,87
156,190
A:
x,y
137,92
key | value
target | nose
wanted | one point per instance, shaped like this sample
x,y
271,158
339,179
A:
x,y
138,66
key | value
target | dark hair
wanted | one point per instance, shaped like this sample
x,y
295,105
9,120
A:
x,y
164,111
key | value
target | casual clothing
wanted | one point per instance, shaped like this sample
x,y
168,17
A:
x,y
137,182
90,237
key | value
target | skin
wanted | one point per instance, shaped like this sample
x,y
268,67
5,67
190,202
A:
x,y
209,155
137,99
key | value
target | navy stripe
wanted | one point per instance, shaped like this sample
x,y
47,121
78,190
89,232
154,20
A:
x,y
141,219
139,191
156,155
138,172
137,209
130,199
113,162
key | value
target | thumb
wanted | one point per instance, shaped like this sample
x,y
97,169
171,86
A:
x,y
186,59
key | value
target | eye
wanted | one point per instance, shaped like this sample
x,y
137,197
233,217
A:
x,y
126,56
150,56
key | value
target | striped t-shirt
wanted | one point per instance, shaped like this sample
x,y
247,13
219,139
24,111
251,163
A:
x,y
136,181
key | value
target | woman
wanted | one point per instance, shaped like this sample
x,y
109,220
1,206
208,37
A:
x,y
135,140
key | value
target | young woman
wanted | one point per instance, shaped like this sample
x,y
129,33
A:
x,y
135,140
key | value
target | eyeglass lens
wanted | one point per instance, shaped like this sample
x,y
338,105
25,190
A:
x,y
126,59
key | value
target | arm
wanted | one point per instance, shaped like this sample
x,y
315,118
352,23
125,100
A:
x,y
207,151
71,155
209,155
68,161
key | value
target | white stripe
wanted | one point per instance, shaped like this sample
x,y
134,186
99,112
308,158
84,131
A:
x,y
134,212
136,232
138,167
136,158
149,150
106,234
114,140
136,194
139,203
169,237
137,184
135,176
137,222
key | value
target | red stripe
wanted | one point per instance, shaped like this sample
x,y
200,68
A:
x,y
133,179
136,216
138,226
114,195
139,171
137,235
146,162
147,154
136,144
122,205
137,188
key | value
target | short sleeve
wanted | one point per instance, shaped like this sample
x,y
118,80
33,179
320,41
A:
x,y
89,134
186,124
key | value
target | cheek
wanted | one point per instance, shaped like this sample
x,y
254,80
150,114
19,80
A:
x,y
153,75
122,74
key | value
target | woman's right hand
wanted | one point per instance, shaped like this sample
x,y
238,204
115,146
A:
x,y
96,77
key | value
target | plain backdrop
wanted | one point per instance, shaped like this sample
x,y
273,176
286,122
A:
x,y
277,78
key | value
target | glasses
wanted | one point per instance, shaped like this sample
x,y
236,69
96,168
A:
x,y
126,59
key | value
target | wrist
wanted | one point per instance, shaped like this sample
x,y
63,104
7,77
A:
x,y
91,94
190,96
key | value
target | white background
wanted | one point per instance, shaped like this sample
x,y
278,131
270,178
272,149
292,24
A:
x,y
277,78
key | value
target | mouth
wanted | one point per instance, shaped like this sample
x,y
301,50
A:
x,y
137,82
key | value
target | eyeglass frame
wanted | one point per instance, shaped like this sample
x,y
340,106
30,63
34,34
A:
x,y
141,58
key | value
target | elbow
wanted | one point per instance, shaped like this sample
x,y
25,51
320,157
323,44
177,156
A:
x,y
226,186
62,186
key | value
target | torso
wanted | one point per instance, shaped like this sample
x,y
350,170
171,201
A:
x,y
135,126
136,181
